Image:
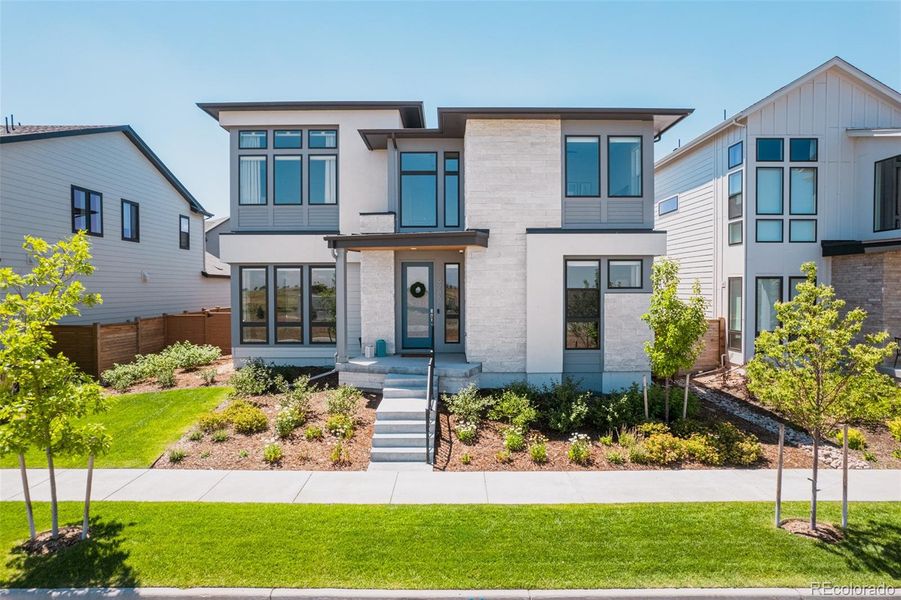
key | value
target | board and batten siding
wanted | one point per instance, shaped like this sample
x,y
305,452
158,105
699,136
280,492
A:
x,y
35,199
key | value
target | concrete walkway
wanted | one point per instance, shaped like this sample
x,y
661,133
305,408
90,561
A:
x,y
412,487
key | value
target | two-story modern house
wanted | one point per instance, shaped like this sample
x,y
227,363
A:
x,y
515,242
146,229
809,173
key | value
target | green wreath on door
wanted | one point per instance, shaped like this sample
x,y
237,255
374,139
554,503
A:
x,y
417,290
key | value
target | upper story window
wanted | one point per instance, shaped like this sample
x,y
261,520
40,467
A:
x,y
322,173
770,149
736,154
451,189
668,206
287,179
184,232
418,189
87,211
769,190
624,166
130,221
802,191
323,138
252,180
287,139
583,167
736,195
887,195
252,140
803,150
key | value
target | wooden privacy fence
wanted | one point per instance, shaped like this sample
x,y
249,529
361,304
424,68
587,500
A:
x,y
714,346
95,348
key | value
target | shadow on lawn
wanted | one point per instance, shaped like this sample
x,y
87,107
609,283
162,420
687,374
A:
x,y
97,562
873,546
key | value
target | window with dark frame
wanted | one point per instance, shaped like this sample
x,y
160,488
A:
x,y
287,178
736,195
803,150
802,191
131,224
419,189
583,305
322,177
733,337
323,307
670,205
887,194
583,166
452,303
770,149
768,292
793,286
624,168
283,139
184,232
769,231
252,140
802,230
451,189
736,154
322,138
254,325
288,305
770,191
625,274
736,233
87,211
252,184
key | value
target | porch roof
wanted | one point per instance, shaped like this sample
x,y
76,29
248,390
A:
x,y
436,240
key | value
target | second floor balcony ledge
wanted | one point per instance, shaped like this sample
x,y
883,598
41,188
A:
x,y
434,240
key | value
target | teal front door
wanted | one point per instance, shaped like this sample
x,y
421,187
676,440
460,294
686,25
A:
x,y
417,310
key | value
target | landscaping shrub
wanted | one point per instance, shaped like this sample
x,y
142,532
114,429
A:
x,y
185,355
205,454
246,418
617,410
208,376
503,457
466,433
614,457
856,439
212,421
514,409
606,440
243,454
514,441
219,436
122,377
538,449
343,400
564,406
869,456
627,438
272,453
736,447
165,375
196,435
664,449
181,355
896,453
702,449
465,458
638,454
467,405
287,420
894,428
253,379
579,449
177,455
649,429
340,426
313,433
340,454
685,428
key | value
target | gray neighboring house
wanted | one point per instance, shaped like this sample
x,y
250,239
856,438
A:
x,y
212,228
146,229
515,242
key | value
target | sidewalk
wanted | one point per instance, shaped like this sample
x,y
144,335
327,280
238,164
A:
x,y
416,487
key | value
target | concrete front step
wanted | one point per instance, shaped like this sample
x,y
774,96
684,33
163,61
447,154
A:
x,y
406,380
407,409
397,454
398,440
404,392
400,425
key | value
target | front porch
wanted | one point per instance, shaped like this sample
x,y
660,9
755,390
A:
x,y
452,371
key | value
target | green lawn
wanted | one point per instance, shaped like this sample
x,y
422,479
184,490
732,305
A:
x,y
442,546
141,426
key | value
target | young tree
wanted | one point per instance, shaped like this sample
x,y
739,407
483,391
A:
x,y
678,325
42,396
815,369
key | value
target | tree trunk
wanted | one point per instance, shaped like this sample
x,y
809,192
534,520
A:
x,y
779,475
685,398
813,480
29,512
54,506
845,476
666,400
87,498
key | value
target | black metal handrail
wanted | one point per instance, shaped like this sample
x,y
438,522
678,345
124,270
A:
x,y
430,408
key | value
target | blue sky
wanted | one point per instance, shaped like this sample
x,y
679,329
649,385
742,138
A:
x,y
147,64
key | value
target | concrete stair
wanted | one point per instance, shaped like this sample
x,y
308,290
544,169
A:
x,y
400,421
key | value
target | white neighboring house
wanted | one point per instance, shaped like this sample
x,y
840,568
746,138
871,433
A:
x,y
146,230
812,172
515,242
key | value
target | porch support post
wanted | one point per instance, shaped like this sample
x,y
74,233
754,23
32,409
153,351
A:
x,y
341,304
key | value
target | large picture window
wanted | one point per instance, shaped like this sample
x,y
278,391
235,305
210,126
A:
x,y
288,305
131,222
733,340
251,180
583,166
286,179
736,195
254,305
322,173
452,303
769,291
419,189
451,189
583,305
887,195
323,308
802,194
769,190
87,211
624,167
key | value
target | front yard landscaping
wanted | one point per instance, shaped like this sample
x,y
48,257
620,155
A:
x,y
344,546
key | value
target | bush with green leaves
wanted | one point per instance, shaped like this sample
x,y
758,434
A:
x,y
180,355
627,438
856,439
287,419
503,457
638,454
208,376
313,433
272,453
538,449
514,441
466,458
615,457
564,405
466,432
894,428
664,449
196,435
651,428
579,449
165,375
617,410
186,355
343,400
736,447
246,418
253,379
339,455
514,409
606,440
467,405
212,421
340,426
122,377
176,455
219,436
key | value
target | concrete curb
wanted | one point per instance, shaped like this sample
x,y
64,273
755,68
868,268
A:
x,y
370,594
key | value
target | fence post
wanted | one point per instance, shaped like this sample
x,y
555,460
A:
x,y
165,329
96,335
206,327
138,335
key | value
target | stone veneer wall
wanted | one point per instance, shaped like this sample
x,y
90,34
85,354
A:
x,y
872,282
377,298
512,182
625,333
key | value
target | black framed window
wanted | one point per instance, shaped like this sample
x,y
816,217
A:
x,y
131,222
254,285
803,150
252,183
583,305
769,190
184,232
451,189
768,231
323,307
736,195
736,235
624,156
733,321
322,138
802,230
87,211
802,191
887,194
451,303
770,149
419,189
768,292
288,305
252,140
670,205
287,178
322,176
793,286
287,139
583,166
624,274
736,154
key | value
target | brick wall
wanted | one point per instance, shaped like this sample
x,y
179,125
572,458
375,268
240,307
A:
x,y
872,282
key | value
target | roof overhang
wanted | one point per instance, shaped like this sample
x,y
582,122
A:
x,y
881,132
846,247
411,112
433,240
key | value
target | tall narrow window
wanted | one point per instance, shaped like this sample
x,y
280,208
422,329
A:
x,y
252,180
793,286
583,305
287,138
286,179
322,173
770,149
802,191
769,190
624,274
451,189
624,167
288,305
323,308
254,305
131,225
184,232
733,340
251,140
87,211
452,303
583,166
736,195
887,195
736,155
736,235
769,291
323,138
418,189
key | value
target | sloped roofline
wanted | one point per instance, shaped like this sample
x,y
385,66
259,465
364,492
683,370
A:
x,y
135,139
836,61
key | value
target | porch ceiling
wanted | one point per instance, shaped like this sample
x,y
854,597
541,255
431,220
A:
x,y
435,240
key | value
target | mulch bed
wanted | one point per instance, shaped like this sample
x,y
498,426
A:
x,y
44,544
825,532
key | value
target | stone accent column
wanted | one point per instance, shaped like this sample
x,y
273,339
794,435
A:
x,y
377,298
341,305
